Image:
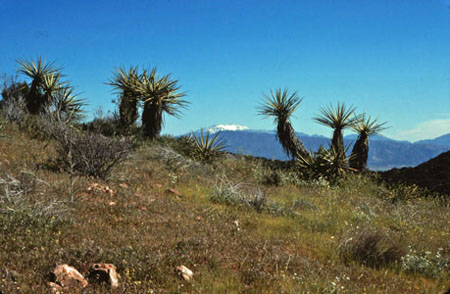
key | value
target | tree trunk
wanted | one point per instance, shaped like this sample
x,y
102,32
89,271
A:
x,y
337,143
289,140
360,152
128,110
151,120
34,99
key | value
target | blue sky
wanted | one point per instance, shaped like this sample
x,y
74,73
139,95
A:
x,y
388,58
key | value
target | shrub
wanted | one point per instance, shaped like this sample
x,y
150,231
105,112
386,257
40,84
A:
x,y
237,194
327,164
371,248
427,263
87,153
109,125
173,160
13,104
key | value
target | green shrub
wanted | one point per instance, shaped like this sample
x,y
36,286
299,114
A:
x,y
427,263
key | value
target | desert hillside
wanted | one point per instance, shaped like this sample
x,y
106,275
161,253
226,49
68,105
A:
x,y
240,224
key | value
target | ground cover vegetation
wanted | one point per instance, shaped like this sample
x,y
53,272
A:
x,y
109,191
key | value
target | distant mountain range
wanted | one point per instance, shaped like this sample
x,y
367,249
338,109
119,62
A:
x,y
384,153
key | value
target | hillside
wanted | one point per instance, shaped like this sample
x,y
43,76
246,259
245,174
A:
x,y
239,224
384,154
433,174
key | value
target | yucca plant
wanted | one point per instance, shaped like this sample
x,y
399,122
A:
x,y
126,83
38,72
66,105
338,119
281,105
207,147
364,128
324,163
160,95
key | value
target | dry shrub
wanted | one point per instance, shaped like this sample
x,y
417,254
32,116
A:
x,y
85,153
371,248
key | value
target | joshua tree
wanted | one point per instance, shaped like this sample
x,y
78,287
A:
x,y
281,105
160,95
364,128
39,73
127,83
338,118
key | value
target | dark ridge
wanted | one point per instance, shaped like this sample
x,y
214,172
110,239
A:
x,y
433,175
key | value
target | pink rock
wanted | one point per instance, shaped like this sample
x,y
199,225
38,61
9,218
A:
x,y
68,277
173,191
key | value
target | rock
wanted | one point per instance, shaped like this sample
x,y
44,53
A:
x,y
100,188
173,191
184,272
68,277
104,273
55,288
236,225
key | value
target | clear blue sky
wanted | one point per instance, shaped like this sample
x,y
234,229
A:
x,y
388,58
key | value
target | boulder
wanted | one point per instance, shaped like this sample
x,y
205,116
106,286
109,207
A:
x,y
68,277
104,273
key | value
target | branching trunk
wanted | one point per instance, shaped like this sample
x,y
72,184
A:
x,y
360,152
289,140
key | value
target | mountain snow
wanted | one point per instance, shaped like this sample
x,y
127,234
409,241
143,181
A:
x,y
224,127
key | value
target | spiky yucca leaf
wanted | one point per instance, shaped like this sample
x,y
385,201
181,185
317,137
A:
x,y
67,106
368,125
160,95
39,72
206,147
127,84
38,69
281,105
325,163
338,118
360,153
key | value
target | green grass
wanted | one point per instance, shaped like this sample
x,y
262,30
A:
x,y
292,245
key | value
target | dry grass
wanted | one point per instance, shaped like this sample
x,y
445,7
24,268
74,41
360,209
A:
x,y
133,222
